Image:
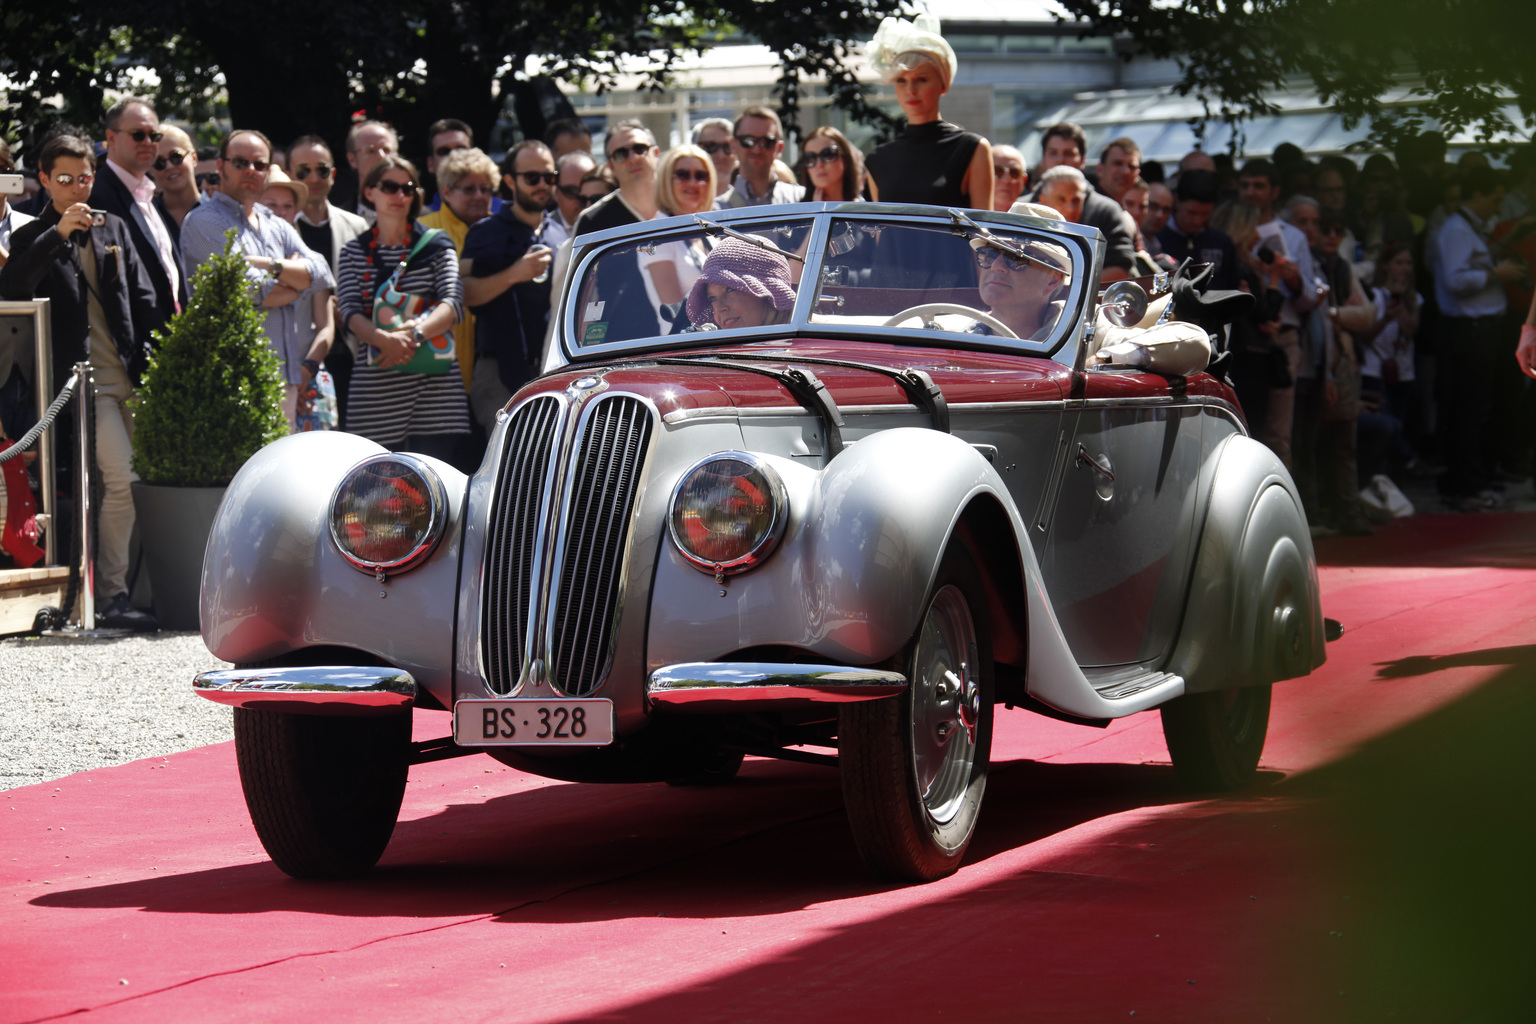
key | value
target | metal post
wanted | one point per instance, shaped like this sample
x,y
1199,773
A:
x,y
85,398
42,337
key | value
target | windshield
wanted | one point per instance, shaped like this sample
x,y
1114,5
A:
x,y
887,274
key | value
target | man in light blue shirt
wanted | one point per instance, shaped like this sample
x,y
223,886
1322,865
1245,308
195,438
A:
x,y
283,271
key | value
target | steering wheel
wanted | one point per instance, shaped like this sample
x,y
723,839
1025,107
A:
x,y
935,308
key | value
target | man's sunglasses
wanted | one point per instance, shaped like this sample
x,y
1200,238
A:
x,y
683,174
240,163
715,148
532,178
70,179
391,187
986,256
142,134
175,156
628,152
830,155
321,171
754,141
1007,172
443,151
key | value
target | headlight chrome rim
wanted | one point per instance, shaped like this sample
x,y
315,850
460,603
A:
x,y
426,543
768,543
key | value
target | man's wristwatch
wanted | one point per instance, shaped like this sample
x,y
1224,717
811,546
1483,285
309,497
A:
x,y
276,269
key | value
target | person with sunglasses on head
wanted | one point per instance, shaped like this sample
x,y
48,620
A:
x,y
174,174
500,259
685,184
326,228
466,181
831,169
101,310
932,161
757,139
1009,177
399,291
445,138
124,187
283,271
713,136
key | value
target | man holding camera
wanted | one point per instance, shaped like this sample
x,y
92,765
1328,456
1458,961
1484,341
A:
x,y
102,309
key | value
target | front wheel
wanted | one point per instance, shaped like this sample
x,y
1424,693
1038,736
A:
x,y
914,767
323,791
1215,738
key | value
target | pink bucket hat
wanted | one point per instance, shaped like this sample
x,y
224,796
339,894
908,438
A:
x,y
746,268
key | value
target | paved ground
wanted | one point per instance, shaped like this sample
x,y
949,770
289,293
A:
x,y
1377,871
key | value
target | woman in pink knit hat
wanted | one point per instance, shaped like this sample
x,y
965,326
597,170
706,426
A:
x,y
741,285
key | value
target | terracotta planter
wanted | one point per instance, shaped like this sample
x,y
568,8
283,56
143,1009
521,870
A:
x,y
174,523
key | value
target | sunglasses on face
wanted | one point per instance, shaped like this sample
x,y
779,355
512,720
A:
x,y
715,148
443,151
986,256
683,174
207,179
1334,229
474,190
754,141
1007,172
570,191
830,155
240,163
175,156
588,200
627,152
390,187
321,171
141,134
532,178
70,179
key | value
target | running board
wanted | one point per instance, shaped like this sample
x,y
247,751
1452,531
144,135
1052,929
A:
x,y
1119,683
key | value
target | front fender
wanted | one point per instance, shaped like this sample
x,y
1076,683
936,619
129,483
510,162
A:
x,y
273,582
1253,615
849,579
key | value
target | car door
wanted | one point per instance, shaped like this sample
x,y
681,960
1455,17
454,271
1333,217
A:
x,y
1118,552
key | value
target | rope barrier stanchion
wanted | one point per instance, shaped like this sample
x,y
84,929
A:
x,y
85,412
28,439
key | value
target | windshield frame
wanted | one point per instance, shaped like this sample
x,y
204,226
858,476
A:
x,y
1085,244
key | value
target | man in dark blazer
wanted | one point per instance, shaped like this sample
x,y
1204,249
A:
x,y
101,310
124,188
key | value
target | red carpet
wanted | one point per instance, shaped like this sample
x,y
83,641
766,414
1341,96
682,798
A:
x,y
1095,888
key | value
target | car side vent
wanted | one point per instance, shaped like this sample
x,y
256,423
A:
x,y
609,462
514,538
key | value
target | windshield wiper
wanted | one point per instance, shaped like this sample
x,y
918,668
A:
x,y
757,240
980,236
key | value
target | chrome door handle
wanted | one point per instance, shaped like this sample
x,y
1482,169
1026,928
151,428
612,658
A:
x,y
1084,459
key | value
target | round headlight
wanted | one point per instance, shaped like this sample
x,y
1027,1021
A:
x,y
388,514
728,513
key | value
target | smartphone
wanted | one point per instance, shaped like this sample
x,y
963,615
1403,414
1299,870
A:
x,y
12,185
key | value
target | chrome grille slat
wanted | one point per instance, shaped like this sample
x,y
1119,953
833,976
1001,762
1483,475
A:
x,y
513,540
604,486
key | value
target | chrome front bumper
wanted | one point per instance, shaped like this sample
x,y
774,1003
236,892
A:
x,y
738,685
316,690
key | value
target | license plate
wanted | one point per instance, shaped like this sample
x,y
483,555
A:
x,y
533,723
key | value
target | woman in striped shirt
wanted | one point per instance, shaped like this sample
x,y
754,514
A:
x,y
419,412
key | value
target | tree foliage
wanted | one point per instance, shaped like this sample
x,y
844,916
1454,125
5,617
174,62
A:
x,y
409,62
1468,57
213,393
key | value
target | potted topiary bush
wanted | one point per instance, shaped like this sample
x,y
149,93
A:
x,y
212,397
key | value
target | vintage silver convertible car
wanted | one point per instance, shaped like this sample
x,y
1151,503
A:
x,y
884,469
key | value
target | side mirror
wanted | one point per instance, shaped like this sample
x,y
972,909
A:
x,y
1123,303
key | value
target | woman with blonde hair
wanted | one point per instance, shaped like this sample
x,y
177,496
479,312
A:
x,y
932,162
685,184
174,173
831,170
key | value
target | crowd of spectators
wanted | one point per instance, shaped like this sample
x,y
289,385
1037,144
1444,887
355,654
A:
x,y
1390,296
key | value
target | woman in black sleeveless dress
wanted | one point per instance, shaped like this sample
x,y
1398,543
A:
x,y
932,162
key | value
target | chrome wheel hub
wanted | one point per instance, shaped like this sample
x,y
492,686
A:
x,y
946,704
